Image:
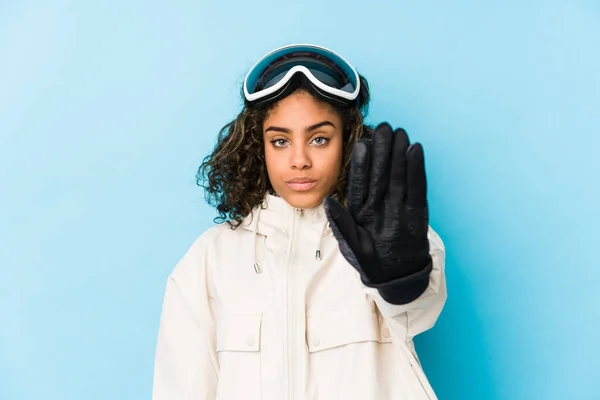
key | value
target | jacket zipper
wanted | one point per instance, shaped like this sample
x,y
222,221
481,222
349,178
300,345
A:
x,y
290,310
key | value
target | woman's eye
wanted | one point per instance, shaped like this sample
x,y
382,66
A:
x,y
320,141
279,142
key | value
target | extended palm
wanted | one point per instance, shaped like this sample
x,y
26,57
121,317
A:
x,y
383,233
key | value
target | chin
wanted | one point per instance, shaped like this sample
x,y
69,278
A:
x,y
303,200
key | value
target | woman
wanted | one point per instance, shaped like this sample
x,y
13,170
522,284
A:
x,y
297,296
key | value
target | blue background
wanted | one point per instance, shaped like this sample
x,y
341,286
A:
x,y
107,108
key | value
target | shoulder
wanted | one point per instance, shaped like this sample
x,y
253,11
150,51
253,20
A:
x,y
213,237
208,248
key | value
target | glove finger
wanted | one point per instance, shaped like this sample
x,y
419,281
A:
x,y
358,178
416,181
397,186
380,165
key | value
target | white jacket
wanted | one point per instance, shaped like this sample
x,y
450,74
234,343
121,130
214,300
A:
x,y
273,311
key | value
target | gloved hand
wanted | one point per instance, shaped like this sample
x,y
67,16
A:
x,y
383,233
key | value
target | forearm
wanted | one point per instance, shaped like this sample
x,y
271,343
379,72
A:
x,y
420,314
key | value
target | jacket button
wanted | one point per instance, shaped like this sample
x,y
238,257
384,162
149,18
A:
x,y
316,341
250,341
385,332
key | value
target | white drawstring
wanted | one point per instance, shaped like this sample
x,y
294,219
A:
x,y
318,256
318,252
255,265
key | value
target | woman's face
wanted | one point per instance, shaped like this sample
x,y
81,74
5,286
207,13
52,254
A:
x,y
303,149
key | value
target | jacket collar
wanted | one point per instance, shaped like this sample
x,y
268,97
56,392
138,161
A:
x,y
276,213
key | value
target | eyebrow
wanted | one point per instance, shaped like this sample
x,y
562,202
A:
x,y
309,129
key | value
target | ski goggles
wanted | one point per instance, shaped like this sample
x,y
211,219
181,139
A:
x,y
325,71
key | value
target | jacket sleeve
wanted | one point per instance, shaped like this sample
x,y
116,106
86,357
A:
x,y
408,320
186,364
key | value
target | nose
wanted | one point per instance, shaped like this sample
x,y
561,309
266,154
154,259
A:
x,y
300,158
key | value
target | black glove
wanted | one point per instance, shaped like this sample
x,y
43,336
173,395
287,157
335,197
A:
x,y
383,233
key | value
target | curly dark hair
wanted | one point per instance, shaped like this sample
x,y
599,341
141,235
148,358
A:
x,y
234,175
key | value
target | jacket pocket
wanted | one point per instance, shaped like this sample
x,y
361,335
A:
x,y
346,346
238,348
345,326
354,355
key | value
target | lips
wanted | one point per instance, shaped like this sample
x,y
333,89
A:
x,y
301,184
